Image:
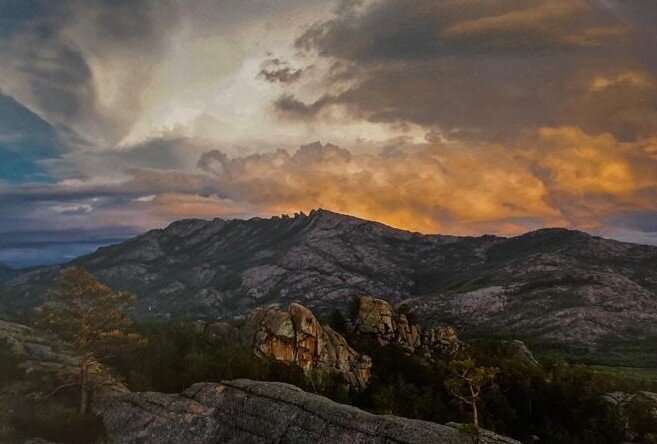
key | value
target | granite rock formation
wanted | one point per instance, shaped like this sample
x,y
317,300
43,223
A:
x,y
38,352
47,356
377,317
623,405
517,349
296,336
244,411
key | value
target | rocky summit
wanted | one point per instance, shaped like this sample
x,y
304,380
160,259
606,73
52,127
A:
x,y
549,286
296,336
245,411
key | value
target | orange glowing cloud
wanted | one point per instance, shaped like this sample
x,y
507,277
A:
x,y
561,176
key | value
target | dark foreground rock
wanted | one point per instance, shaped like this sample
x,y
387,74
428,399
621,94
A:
x,y
244,411
239,411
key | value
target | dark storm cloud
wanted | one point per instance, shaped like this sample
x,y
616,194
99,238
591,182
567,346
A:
x,y
288,106
514,96
423,29
279,71
47,60
492,66
32,239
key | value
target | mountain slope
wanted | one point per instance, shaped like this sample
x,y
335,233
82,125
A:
x,y
556,286
551,285
6,272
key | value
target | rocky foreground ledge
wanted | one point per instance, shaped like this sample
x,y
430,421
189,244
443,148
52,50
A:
x,y
239,411
245,411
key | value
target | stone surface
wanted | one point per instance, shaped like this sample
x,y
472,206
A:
x,y
244,411
518,350
46,355
38,351
296,336
377,317
621,405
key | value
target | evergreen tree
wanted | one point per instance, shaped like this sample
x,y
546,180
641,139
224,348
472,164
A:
x,y
91,316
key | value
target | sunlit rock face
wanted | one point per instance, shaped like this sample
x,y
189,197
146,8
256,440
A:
x,y
376,317
296,336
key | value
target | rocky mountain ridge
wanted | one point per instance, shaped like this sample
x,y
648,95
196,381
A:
x,y
549,286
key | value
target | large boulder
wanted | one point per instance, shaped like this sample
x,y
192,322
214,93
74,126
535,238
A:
x,y
244,411
377,317
296,336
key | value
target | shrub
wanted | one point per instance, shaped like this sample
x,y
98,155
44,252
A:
x,y
58,421
9,364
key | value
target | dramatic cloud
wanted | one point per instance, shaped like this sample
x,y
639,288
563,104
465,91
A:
x,y
460,116
276,70
491,66
560,176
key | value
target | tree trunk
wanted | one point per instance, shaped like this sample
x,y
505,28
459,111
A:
x,y
475,414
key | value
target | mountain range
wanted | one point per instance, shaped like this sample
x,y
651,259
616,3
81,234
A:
x,y
554,287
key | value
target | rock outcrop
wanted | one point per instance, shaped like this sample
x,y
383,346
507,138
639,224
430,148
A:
x,y
45,355
517,349
244,411
37,351
376,317
296,336
625,407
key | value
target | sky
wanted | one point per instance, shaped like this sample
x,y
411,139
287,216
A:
x,y
440,116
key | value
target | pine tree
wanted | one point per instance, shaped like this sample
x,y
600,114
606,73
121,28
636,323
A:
x,y
91,316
